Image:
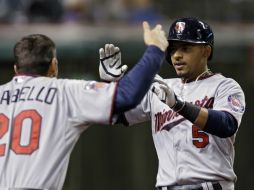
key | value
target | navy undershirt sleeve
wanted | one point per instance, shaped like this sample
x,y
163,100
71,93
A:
x,y
134,85
220,123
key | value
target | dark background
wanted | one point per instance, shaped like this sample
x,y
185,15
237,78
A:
x,y
113,158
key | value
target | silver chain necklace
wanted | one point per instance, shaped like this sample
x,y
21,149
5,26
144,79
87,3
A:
x,y
208,71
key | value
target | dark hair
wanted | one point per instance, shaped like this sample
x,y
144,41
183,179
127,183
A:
x,y
33,54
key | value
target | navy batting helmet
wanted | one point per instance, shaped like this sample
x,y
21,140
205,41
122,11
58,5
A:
x,y
190,30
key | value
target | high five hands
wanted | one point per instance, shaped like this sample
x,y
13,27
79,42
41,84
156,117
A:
x,y
111,67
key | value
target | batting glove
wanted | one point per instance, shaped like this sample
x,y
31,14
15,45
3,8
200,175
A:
x,y
157,89
111,68
163,91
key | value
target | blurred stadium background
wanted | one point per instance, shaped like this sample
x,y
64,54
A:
x,y
113,158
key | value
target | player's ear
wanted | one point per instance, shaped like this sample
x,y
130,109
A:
x,y
207,51
53,68
15,69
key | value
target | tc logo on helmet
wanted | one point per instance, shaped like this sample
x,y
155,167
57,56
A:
x,y
179,27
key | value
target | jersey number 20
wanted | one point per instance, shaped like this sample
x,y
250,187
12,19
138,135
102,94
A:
x,y
16,132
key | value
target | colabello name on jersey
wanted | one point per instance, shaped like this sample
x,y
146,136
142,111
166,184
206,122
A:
x,y
29,93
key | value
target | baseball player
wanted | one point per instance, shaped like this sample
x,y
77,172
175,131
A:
x,y
194,131
42,117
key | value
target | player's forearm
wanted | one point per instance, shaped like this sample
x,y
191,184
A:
x,y
201,118
134,85
218,123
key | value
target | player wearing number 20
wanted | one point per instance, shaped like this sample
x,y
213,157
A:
x,y
41,117
194,132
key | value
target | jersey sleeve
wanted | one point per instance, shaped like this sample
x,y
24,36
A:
x,y
141,113
230,98
89,102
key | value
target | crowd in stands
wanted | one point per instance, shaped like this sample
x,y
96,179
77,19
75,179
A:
x,y
94,11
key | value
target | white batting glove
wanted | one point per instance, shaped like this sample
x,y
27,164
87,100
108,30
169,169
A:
x,y
157,89
163,91
111,68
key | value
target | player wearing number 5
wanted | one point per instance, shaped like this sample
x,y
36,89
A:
x,y
42,117
194,132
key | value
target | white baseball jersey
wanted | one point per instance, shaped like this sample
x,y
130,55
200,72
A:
x,y
187,154
41,119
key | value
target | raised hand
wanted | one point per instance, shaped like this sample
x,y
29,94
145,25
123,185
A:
x,y
155,36
111,68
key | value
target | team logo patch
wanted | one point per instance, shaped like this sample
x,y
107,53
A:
x,y
235,104
93,85
179,27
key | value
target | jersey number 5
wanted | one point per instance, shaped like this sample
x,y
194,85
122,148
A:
x,y
18,123
199,138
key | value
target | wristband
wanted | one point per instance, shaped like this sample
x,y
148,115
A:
x,y
178,106
187,110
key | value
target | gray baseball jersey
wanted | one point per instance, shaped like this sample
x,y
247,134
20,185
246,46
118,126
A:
x,y
41,119
187,154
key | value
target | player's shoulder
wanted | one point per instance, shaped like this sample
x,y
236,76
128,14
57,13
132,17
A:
x,y
45,81
223,79
5,84
84,84
62,81
225,83
70,84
